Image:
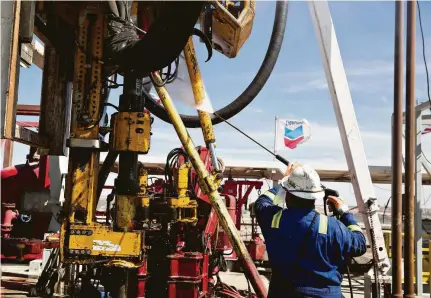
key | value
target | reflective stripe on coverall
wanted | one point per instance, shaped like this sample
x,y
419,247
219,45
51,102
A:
x,y
319,270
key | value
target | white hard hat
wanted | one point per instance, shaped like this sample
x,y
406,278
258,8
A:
x,y
303,182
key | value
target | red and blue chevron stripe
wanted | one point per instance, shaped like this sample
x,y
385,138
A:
x,y
292,137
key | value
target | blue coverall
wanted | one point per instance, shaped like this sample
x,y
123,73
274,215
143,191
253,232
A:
x,y
319,270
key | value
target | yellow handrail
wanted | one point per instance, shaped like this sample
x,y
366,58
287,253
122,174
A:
x,y
426,255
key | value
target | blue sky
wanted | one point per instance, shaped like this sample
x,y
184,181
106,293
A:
x,y
297,88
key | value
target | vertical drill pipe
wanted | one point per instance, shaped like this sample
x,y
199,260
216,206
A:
x,y
200,94
211,189
409,290
397,153
130,100
127,186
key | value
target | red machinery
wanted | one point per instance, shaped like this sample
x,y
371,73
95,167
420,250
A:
x,y
181,258
236,199
22,229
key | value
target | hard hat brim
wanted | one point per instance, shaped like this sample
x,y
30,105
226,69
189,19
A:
x,y
307,195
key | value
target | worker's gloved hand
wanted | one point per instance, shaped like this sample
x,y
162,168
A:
x,y
337,205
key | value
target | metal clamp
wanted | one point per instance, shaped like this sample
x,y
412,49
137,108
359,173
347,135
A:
x,y
87,143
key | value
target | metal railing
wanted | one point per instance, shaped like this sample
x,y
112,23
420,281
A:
x,y
426,256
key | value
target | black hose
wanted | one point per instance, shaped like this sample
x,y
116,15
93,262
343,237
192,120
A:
x,y
252,90
113,7
349,278
121,9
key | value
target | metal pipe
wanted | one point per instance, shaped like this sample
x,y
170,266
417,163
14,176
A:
x,y
130,101
209,188
214,159
418,204
200,95
409,290
28,110
126,184
397,127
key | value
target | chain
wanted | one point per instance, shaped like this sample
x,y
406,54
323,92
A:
x,y
259,192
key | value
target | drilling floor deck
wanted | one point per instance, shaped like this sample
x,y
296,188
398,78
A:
x,y
15,287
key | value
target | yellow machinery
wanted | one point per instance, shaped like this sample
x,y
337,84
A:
x,y
86,45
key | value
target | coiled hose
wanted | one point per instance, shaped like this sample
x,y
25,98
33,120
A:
x,y
251,91
234,107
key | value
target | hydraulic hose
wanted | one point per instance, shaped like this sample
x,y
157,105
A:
x,y
121,9
251,91
113,7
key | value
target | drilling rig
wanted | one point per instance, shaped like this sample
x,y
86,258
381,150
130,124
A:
x,y
159,239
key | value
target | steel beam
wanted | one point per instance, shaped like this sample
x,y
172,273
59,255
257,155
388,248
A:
x,y
397,154
55,102
349,130
29,137
10,55
10,16
418,205
421,107
32,54
409,221
28,124
7,153
28,9
426,166
28,110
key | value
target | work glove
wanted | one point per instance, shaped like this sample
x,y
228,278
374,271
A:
x,y
337,206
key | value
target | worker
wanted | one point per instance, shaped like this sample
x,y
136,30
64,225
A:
x,y
307,251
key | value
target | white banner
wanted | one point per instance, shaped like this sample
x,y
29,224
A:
x,y
291,133
181,89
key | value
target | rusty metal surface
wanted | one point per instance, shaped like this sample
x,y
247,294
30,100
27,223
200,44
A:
x,y
28,9
11,56
7,8
28,110
409,245
7,153
81,181
29,137
10,13
16,286
397,153
54,103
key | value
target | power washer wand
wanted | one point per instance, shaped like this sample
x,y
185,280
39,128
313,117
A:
x,y
328,191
